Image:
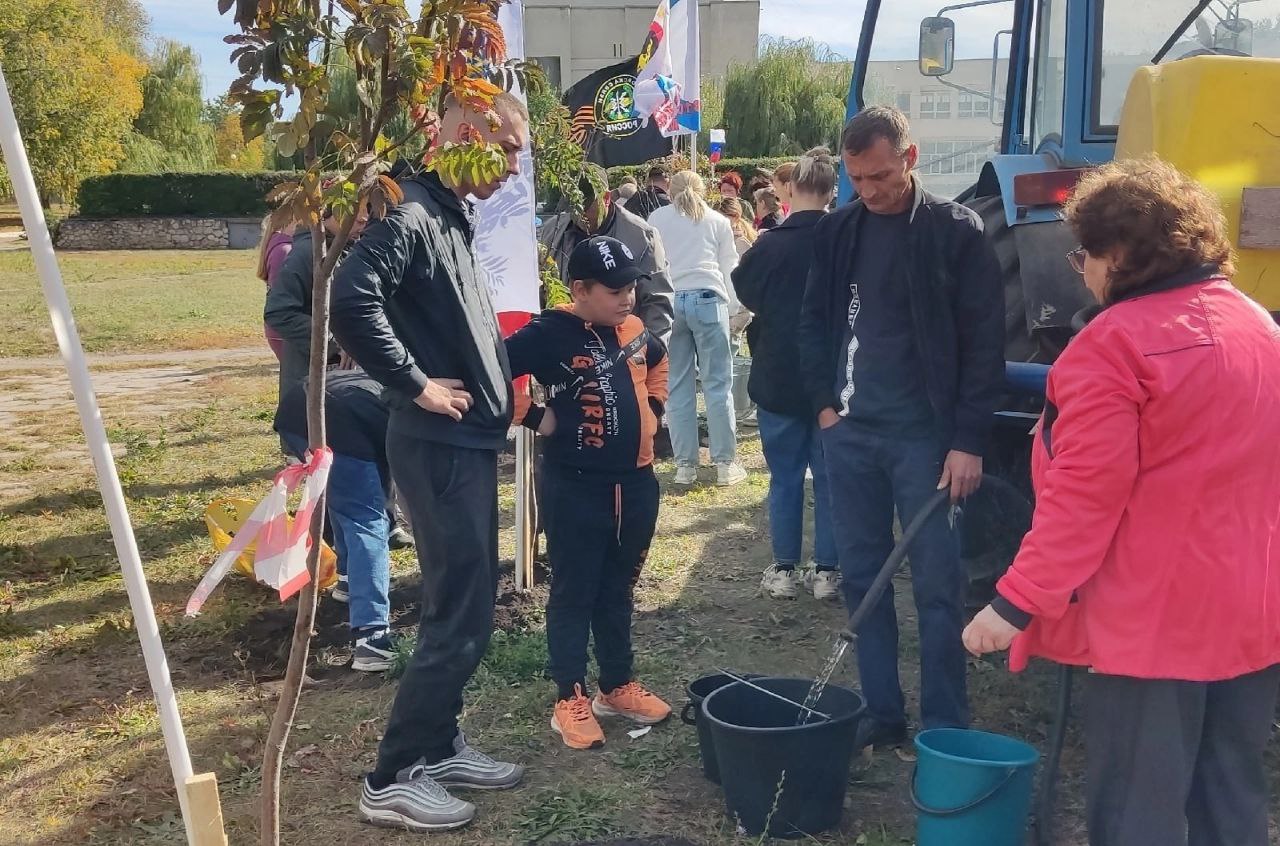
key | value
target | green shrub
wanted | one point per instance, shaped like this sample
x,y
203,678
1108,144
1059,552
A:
x,y
218,194
746,168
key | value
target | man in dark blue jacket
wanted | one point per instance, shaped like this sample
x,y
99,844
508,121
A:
x,y
901,349
410,306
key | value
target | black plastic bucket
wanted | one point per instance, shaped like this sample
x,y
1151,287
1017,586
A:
x,y
691,714
759,746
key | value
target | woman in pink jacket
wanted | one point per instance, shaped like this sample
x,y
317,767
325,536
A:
x,y
1154,555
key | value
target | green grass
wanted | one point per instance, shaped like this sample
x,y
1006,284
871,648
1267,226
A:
x,y
136,301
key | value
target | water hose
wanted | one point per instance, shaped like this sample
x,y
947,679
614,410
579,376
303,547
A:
x,y
892,563
1062,710
1057,739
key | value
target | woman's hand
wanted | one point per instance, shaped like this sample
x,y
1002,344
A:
x,y
989,632
547,426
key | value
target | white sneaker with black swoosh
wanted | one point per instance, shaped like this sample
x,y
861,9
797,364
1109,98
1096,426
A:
x,y
415,801
469,767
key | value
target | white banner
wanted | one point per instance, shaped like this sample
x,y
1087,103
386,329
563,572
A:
x,y
506,244
668,86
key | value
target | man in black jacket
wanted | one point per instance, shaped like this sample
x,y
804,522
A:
x,y
901,350
654,195
410,306
770,280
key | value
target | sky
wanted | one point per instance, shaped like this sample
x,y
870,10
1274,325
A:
x,y
197,23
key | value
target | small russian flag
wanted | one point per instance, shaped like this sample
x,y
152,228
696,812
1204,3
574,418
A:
x,y
717,145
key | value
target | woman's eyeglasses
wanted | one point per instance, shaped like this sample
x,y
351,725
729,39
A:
x,y
1076,259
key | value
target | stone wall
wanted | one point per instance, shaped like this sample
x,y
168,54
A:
x,y
155,233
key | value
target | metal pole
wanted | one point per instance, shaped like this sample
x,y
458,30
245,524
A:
x,y
64,328
526,539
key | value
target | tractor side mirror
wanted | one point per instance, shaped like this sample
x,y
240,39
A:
x,y
937,46
1234,34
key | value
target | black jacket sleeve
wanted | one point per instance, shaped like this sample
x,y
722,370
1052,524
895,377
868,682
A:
x,y
816,368
526,348
362,284
288,308
747,279
979,314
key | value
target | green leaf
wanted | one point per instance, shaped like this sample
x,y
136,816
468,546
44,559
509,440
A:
x,y
287,144
363,92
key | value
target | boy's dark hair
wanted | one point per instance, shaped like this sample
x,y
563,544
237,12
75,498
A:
x,y
873,123
659,171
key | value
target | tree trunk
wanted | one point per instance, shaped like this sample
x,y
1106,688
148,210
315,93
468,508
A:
x,y
300,648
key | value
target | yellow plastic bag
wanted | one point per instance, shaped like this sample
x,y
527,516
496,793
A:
x,y
226,515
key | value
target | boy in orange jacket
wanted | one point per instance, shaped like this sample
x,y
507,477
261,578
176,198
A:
x,y
606,381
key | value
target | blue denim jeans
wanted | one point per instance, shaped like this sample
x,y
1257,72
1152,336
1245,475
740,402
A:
x,y
871,475
791,445
356,504
700,344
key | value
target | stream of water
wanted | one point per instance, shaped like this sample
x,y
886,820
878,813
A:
x,y
820,682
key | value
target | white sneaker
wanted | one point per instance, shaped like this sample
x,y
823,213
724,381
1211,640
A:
x,y
825,584
686,475
730,474
779,584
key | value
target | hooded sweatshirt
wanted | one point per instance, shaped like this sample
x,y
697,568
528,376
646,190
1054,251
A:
x,y
606,384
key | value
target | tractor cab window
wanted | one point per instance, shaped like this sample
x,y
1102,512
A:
x,y
948,74
1141,32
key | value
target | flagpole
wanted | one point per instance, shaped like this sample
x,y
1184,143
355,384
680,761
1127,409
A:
x,y
113,501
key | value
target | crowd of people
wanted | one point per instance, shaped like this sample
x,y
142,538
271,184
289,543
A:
x,y
876,335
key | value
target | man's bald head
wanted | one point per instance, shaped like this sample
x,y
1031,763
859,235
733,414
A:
x,y
512,135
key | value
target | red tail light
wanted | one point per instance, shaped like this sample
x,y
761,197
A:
x,y
1051,188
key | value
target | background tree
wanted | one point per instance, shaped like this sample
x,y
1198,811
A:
x,y
169,132
75,84
790,99
404,69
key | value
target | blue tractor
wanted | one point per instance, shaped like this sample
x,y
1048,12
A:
x,y
1011,100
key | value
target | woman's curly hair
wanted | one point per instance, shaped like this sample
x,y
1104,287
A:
x,y
1156,220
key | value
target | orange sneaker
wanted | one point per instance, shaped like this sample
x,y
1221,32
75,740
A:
x,y
573,721
632,701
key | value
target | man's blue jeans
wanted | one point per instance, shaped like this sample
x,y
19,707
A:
x,y
791,446
700,346
356,504
871,475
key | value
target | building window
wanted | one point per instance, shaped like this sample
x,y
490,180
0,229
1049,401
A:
x,y
904,102
935,104
946,157
551,67
972,106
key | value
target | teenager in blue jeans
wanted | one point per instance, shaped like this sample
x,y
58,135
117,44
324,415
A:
x,y
356,430
902,355
770,281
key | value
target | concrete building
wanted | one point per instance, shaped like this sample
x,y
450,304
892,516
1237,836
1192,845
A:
x,y
956,124
572,38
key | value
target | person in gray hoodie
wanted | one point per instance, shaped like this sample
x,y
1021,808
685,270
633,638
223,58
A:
x,y
601,216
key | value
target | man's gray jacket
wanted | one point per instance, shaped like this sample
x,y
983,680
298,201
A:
x,y
654,296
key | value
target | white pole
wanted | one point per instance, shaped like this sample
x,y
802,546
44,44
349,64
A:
x,y
525,538
64,327
693,152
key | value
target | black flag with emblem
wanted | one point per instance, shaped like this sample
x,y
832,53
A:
x,y
602,106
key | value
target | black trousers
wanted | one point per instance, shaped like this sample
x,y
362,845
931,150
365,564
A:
x,y
451,494
598,526
1177,762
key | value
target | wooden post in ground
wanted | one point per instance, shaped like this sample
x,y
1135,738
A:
x,y
205,810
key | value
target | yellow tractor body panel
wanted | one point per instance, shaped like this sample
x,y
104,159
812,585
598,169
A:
x,y
1217,118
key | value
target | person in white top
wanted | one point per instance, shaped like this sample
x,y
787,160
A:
x,y
701,252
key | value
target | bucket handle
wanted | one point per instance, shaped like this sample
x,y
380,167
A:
x,y
688,714
950,812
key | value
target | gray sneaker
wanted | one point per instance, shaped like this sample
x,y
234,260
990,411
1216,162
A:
x,y
415,802
469,767
374,653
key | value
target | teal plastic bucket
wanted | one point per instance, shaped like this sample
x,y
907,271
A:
x,y
972,788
